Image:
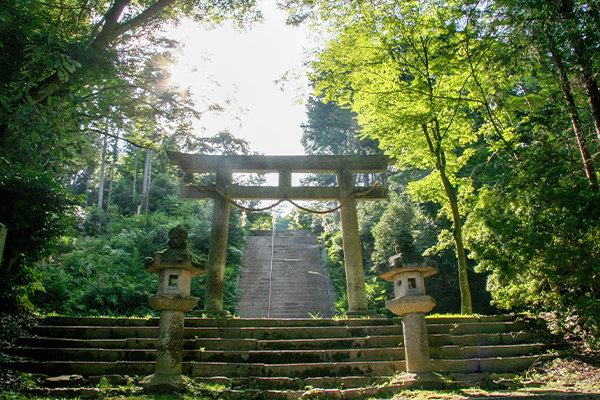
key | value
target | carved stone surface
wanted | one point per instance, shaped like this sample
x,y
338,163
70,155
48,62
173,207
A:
x,y
176,255
398,264
178,237
411,304
175,266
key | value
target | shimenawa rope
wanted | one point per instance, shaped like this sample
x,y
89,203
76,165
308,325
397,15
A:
x,y
244,208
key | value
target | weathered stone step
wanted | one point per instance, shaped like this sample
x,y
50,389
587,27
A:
x,y
295,332
96,332
372,341
371,368
230,356
265,322
487,339
78,354
284,383
328,369
86,368
124,332
278,356
482,352
119,332
99,321
477,327
130,343
488,365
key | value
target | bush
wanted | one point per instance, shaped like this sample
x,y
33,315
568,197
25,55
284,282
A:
x,y
37,211
538,235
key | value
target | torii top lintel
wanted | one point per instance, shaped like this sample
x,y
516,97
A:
x,y
285,166
202,164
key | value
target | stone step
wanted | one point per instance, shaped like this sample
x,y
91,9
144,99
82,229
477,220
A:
x,y
278,356
279,348
278,287
280,383
488,339
372,341
265,322
211,369
305,370
201,355
122,332
279,332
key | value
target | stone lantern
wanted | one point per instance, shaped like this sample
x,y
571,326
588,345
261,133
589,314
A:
x,y
176,267
411,303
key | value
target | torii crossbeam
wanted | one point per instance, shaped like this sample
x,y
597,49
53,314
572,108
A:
x,y
346,193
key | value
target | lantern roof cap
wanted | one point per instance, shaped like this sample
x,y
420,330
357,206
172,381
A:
x,y
176,255
400,263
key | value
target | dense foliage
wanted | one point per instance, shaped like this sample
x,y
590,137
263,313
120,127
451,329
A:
x,y
493,107
97,269
37,212
102,273
537,233
73,75
331,129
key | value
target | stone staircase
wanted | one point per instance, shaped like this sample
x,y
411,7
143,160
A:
x,y
294,285
282,354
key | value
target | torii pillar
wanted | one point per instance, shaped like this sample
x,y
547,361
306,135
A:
x,y
355,271
224,166
217,252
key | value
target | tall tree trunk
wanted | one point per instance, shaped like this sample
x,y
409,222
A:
x,y
588,164
3,234
135,171
146,182
589,81
89,173
102,165
112,171
593,93
466,306
584,61
148,185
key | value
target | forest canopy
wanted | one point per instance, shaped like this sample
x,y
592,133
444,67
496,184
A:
x,y
497,104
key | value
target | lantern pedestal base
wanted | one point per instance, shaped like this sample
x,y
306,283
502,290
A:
x,y
422,380
162,384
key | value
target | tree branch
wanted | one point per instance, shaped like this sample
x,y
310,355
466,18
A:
x,y
112,30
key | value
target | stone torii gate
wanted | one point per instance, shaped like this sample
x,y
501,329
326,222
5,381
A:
x,y
224,191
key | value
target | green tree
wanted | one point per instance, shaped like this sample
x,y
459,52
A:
x,y
421,83
333,130
71,67
98,268
536,232
37,211
559,39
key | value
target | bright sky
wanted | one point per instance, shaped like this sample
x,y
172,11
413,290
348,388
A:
x,y
239,70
